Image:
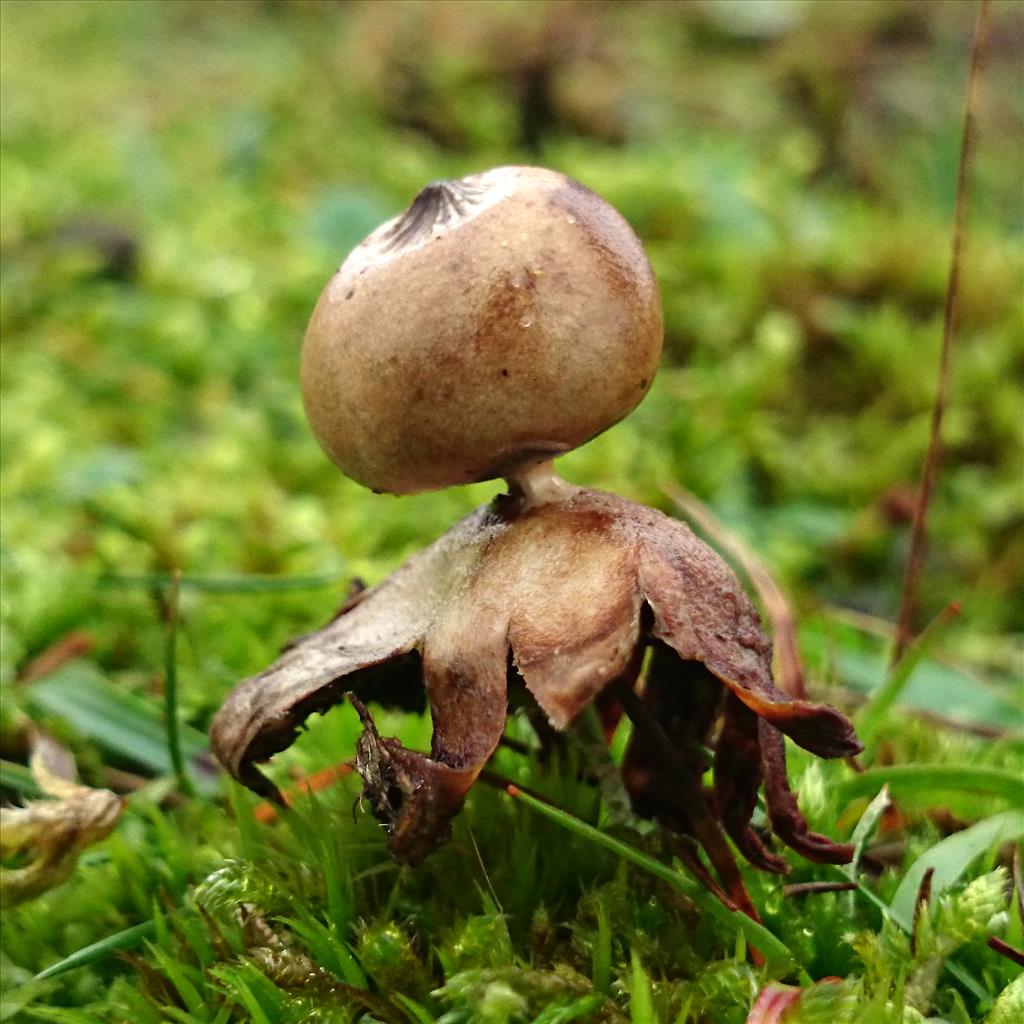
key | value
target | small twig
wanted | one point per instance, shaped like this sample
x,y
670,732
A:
x,y
930,470
124,782
1005,949
812,888
776,607
171,686
483,868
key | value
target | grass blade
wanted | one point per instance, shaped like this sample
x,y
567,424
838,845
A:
x,y
601,968
865,828
952,857
415,1011
121,722
18,779
641,998
127,939
171,686
911,779
889,692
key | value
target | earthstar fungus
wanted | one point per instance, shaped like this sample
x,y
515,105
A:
x,y
434,378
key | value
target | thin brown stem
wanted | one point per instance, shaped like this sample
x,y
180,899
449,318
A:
x,y
813,888
930,470
1005,949
496,780
1018,882
75,644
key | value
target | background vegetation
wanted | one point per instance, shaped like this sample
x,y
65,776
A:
x,y
180,179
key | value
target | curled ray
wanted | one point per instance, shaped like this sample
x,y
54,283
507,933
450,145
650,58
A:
x,y
567,595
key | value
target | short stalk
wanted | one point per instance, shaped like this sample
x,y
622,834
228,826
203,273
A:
x,y
539,484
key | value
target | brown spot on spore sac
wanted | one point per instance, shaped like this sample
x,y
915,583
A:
x,y
610,238
642,384
507,304
504,373
349,294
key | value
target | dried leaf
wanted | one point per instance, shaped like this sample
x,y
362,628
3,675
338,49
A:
x,y
49,835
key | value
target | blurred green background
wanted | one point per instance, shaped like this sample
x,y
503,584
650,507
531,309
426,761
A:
x,y
180,179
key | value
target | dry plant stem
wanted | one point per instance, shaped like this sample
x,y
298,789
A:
x,y
997,945
812,888
267,812
790,675
930,470
496,780
75,644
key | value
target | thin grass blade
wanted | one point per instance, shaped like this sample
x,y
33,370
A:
x,y
130,938
122,723
641,998
171,724
917,779
18,779
865,828
890,691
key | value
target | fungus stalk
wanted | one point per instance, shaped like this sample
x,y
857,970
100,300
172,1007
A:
x,y
539,484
